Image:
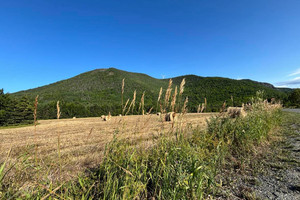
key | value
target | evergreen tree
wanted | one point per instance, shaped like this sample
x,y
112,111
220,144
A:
x,y
14,111
23,111
294,98
4,104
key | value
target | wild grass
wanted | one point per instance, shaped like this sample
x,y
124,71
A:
x,y
122,93
58,138
167,96
142,104
179,163
158,99
132,104
35,123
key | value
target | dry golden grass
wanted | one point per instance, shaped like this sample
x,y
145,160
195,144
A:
x,y
83,140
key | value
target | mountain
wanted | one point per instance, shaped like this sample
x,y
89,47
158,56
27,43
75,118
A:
x,y
100,86
99,91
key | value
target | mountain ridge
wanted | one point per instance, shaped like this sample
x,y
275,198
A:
x,y
100,89
181,76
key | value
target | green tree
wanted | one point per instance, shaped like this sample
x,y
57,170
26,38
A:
x,y
5,101
15,111
294,98
23,111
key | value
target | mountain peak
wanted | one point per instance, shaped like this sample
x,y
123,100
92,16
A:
x,y
102,88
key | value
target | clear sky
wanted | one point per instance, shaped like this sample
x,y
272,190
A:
x,y
44,41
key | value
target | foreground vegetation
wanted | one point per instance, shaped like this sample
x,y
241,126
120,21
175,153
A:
x,y
182,164
272,169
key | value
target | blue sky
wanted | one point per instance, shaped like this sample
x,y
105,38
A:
x,y
46,41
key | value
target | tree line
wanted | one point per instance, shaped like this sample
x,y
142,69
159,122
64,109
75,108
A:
x,y
15,111
20,110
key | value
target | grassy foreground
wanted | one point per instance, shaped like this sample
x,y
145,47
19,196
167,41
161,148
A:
x,y
181,165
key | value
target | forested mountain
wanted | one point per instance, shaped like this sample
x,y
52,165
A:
x,y
98,92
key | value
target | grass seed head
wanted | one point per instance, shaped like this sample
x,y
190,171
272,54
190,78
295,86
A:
x,y
202,107
123,84
168,93
143,102
159,95
174,99
35,109
184,108
182,86
58,110
125,105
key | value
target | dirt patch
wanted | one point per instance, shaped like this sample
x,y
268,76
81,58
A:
x,y
297,110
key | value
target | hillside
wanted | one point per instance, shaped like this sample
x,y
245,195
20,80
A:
x,y
95,87
99,91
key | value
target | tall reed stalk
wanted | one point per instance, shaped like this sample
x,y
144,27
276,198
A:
x,y
132,104
35,123
223,107
202,107
173,103
181,90
58,137
158,99
199,108
122,92
168,95
184,108
143,103
124,109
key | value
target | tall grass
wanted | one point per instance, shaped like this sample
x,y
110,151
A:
x,y
179,165
167,96
173,103
184,168
35,123
58,113
181,90
158,99
122,94
124,109
142,104
132,104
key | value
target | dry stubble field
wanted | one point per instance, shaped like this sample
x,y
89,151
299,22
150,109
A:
x,y
83,140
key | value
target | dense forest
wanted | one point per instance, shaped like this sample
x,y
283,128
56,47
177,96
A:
x,y
98,92
294,99
15,111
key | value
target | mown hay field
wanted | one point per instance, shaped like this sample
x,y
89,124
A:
x,y
83,140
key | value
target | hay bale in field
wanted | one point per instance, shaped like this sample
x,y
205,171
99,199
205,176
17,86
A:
x,y
120,115
74,117
106,117
234,112
158,114
171,116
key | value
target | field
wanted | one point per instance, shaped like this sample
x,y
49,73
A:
x,y
83,140
132,157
